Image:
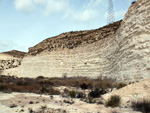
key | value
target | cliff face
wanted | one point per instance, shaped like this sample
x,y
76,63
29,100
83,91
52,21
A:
x,y
123,55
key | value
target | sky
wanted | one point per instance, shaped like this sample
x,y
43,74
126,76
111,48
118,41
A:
x,y
25,23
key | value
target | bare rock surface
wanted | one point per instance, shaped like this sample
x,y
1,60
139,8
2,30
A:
x,y
132,93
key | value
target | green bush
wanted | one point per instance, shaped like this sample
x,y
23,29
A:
x,y
143,106
114,101
72,94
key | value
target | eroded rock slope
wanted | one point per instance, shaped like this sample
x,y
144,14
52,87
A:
x,y
121,52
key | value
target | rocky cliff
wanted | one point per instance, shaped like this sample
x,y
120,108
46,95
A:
x,y
10,61
121,52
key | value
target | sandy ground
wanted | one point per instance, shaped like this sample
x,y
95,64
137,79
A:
x,y
25,101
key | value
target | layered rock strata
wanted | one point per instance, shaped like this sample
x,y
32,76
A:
x,y
123,55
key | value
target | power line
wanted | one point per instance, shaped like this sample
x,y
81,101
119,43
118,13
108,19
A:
x,y
111,17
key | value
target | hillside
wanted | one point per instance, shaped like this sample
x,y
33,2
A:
x,y
119,51
15,53
74,39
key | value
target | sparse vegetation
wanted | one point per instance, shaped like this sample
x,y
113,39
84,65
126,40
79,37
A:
x,y
84,86
72,94
43,85
2,86
97,92
54,92
120,85
81,95
143,106
114,101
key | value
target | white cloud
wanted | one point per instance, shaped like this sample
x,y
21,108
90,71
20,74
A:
x,y
86,15
89,10
7,45
40,2
24,5
92,3
48,6
55,6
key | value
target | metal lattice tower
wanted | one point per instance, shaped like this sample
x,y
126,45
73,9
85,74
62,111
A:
x,y
111,17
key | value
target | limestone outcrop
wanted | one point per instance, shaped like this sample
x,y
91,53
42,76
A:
x,y
121,52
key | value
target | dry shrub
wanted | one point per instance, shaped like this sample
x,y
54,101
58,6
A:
x,y
34,85
72,94
54,92
2,86
73,81
104,83
120,85
143,106
81,95
97,92
114,101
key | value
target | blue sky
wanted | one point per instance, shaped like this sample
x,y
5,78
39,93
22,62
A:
x,y
24,23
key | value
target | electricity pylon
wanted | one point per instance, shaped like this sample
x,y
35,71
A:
x,y
110,17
